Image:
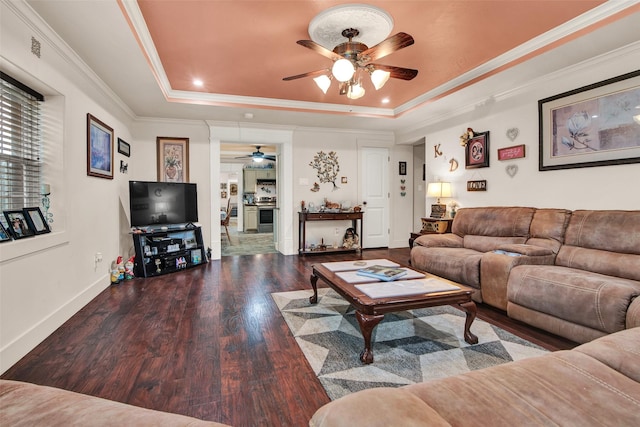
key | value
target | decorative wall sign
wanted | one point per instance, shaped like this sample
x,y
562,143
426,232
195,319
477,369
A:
x,y
453,165
595,125
477,151
477,185
512,170
513,133
508,153
437,152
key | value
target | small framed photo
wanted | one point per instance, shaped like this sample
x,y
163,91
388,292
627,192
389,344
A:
x,y
4,234
36,220
477,151
402,168
124,147
99,148
18,225
233,189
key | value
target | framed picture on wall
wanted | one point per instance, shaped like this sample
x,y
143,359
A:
x,y
477,151
124,147
402,168
99,148
173,159
595,125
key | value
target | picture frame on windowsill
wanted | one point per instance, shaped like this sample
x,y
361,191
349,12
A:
x,y
36,220
18,224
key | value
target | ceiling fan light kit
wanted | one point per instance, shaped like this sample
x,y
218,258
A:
x,y
360,24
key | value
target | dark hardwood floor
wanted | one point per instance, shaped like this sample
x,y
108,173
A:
x,y
208,342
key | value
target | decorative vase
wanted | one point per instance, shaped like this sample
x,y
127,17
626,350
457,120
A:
x,y
171,171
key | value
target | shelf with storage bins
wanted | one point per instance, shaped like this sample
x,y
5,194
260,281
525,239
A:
x,y
167,251
304,217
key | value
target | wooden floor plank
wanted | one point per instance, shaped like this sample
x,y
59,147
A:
x,y
208,342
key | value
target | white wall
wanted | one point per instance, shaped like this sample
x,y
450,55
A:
x,y
308,142
604,187
46,279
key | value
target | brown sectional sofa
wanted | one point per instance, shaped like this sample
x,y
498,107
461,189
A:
x,y
595,384
25,404
575,274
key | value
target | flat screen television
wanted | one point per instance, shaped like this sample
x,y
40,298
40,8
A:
x,y
160,203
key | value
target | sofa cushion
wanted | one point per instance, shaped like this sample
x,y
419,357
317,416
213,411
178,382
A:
x,y
589,299
493,221
25,404
605,242
489,243
458,264
548,227
591,385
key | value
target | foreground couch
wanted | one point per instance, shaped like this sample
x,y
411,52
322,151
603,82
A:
x,y
595,384
575,274
25,404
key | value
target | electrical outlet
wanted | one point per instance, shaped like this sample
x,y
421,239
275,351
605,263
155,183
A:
x,y
98,257
337,231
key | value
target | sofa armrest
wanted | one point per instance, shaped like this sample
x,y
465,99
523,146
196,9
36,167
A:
x,y
495,269
383,406
633,314
447,240
524,249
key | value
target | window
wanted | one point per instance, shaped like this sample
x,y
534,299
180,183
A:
x,y
20,144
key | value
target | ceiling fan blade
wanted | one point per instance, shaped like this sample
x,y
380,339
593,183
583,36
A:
x,y
385,47
396,72
310,44
309,74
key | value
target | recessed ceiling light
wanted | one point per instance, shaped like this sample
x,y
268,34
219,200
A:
x,y
385,100
197,82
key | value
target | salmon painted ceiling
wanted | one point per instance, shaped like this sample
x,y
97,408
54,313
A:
x,y
241,50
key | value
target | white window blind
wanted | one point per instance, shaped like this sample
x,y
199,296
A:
x,y
20,145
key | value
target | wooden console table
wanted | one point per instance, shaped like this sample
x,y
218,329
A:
x,y
304,217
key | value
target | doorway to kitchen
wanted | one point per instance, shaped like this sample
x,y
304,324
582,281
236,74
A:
x,y
250,228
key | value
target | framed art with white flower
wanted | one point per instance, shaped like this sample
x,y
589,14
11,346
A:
x,y
173,159
595,125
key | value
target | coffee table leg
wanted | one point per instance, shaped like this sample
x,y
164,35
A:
x,y
314,280
367,322
470,309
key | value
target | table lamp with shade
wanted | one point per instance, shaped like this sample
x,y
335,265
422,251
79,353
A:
x,y
438,190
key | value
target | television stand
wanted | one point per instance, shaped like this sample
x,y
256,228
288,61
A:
x,y
166,251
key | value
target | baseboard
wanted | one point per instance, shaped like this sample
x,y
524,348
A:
x,y
22,345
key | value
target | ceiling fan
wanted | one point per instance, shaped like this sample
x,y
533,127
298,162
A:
x,y
258,156
351,57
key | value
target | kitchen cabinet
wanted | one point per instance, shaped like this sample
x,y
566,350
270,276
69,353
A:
x,y
250,218
250,178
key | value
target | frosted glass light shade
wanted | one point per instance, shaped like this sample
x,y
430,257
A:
x,y
323,83
355,91
379,78
439,189
343,70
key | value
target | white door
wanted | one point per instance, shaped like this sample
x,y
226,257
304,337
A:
x,y
374,178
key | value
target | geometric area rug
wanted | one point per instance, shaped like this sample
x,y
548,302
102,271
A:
x,y
408,347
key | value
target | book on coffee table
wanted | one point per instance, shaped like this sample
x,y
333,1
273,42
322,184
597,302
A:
x,y
382,272
354,277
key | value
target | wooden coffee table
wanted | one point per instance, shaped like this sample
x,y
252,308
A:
x,y
370,311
